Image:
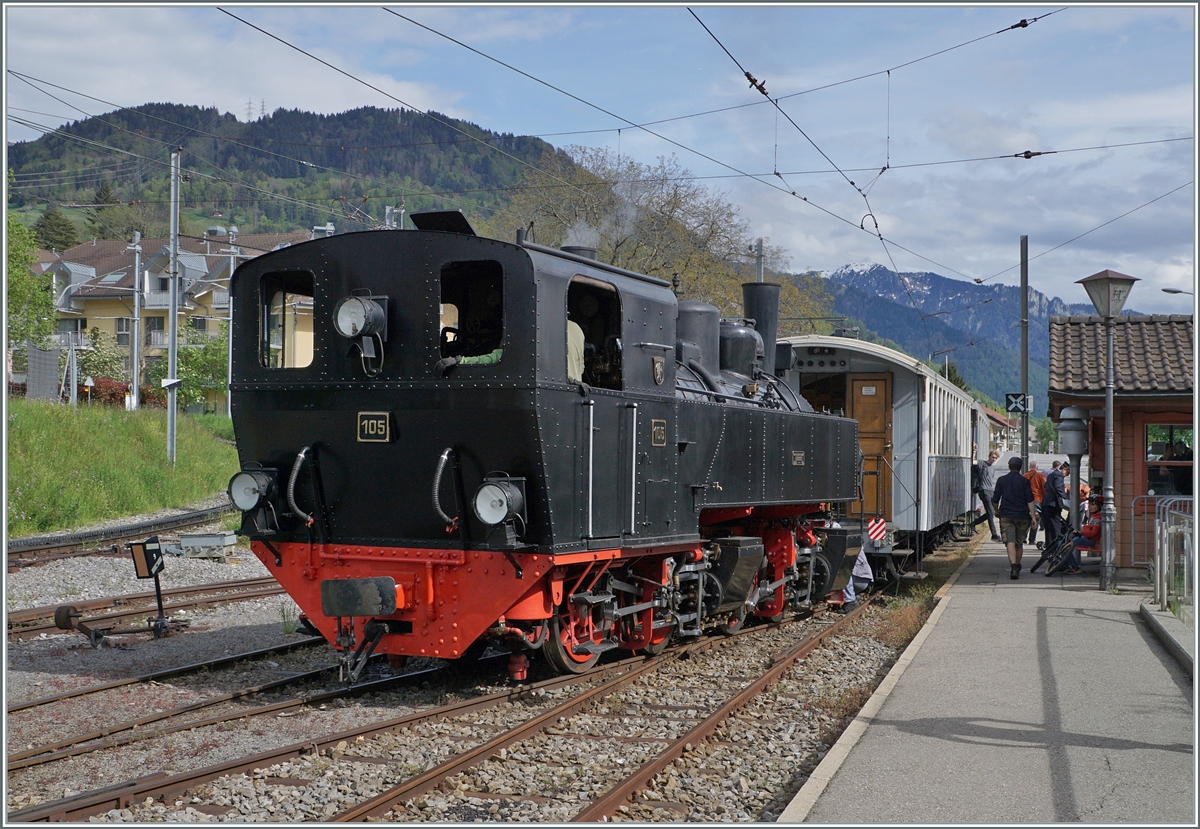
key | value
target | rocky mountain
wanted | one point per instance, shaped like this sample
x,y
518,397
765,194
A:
x,y
953,314
992,310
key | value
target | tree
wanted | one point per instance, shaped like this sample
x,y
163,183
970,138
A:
x,y
1045,431
29,297
653,219
54,231
104,359
950,372
100,218
201,362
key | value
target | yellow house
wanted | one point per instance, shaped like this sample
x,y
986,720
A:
x,y
94,288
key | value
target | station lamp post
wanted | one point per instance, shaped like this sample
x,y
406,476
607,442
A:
x,y
1108,291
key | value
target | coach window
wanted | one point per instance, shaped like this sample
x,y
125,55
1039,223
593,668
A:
x,y
472,312
286,316
596,307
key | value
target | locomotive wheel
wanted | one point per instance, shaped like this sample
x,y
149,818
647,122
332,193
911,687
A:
x,y
658,645
737,619
559,644
823,576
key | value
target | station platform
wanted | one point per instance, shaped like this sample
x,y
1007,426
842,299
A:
x,y
1040,700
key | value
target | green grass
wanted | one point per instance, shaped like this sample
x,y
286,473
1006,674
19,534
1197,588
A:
x,y
218,424
71,467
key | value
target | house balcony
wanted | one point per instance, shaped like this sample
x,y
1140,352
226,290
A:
x,y
156,299
66,339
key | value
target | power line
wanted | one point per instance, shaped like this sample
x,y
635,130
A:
x,y
1019,25
1086,232
762,180
761,86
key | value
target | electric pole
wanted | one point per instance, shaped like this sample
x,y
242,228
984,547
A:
x,y
1025,352
171,382
135,373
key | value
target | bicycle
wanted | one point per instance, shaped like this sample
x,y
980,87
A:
x,y
1057,554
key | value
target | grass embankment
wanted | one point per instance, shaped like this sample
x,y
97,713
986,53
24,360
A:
x,y
71,467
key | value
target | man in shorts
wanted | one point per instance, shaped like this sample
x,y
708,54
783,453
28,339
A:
x,y
1014,503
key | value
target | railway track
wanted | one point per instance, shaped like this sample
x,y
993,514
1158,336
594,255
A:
x,y
156,676
31,551
477,730
31,622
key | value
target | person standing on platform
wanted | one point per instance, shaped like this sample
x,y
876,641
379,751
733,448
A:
x,y
987,485
1053,500
1037,481
1015,506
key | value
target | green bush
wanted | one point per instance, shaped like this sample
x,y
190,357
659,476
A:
x,y
71,467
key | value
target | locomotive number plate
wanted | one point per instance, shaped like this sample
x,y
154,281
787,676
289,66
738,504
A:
x,y
374,427
658,433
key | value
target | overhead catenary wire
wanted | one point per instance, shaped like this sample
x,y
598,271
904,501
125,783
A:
x,y
761,86
448,193
1019,25
741,173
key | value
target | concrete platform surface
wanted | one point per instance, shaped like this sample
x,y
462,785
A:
x,y
1040,700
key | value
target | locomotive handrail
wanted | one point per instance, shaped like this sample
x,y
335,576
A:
x,y
451,523
291,488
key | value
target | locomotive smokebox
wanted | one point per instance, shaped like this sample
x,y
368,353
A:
x,y
761,303
700,323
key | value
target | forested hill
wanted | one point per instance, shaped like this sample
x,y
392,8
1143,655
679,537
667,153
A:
x,y
383,155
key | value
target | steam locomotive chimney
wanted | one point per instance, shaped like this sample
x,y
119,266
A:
x,y
580,250
761,303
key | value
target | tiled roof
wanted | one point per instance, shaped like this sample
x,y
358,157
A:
x,y
1153,354
1000,418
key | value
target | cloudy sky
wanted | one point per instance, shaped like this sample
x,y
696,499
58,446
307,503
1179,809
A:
x,y
941,96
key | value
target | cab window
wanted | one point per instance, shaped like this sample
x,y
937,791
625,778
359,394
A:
x,y
286,320
595,307
472,312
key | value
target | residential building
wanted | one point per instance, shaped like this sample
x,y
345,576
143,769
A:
x,y
94,285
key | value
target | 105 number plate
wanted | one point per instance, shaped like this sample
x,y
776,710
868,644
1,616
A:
x,y
374,427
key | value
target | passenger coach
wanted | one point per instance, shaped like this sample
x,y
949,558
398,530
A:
x,y
915,430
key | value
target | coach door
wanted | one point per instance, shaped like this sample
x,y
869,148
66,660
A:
x,y
870,403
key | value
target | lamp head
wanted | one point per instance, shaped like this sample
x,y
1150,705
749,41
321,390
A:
x,y
1108,291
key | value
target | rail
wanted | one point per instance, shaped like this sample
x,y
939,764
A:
x,y
34,543
1172,562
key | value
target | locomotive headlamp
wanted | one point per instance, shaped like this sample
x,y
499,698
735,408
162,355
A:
x,y
249,488
357,316
498,501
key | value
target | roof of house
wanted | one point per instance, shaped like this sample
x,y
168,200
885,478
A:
x,y
1153,354
44,259
999,418
79,273
98,258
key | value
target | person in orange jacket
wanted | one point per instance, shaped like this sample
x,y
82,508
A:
x,y
1037,481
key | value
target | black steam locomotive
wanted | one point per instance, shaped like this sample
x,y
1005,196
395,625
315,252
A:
x,y
449,441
